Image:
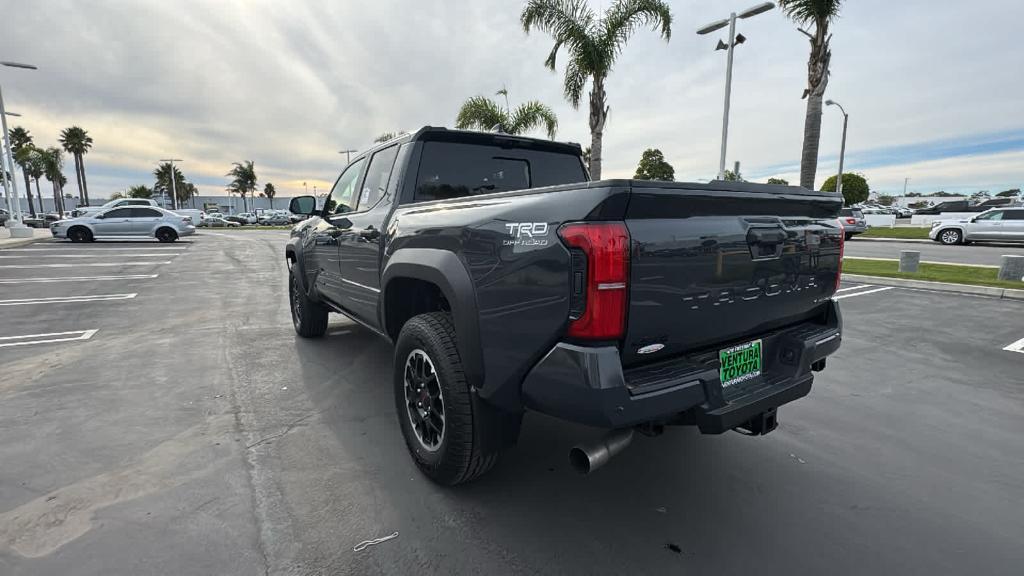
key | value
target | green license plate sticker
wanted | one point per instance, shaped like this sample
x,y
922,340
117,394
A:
x,y
739,363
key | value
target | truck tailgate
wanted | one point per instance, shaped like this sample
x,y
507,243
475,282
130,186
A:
x,y
712,267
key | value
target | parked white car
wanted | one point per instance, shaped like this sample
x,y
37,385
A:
x,y
996,225
164,225
118,203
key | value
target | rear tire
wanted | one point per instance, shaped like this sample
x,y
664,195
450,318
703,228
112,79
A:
x,y
166,235
951,236
457,456
308,317
80,234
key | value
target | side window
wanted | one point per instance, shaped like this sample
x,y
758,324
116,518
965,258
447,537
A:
x,y
118,213
991,216
1013,215
377,175
145,213
343,195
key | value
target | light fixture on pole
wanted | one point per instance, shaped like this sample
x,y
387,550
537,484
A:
x,y
174,190
734,39
348,155
15,224
842,150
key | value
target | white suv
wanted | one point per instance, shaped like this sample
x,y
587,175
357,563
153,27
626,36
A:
x,y
996,225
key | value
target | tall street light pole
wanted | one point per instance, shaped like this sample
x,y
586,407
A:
x,y
842,150
733,41
16,225
348,155
174,190
905,182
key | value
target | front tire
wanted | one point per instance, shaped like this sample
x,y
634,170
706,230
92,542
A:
x,y
951,236
308,317
80,234
434,403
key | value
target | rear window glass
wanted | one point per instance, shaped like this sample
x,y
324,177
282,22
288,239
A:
x,y
846,212
454,170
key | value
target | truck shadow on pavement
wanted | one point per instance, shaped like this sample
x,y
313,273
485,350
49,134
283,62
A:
x,y
670,495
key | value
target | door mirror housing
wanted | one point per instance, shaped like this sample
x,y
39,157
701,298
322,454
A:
x,y
303,205
99,216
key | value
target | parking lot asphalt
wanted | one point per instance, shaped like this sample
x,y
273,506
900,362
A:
x,y
194,433
978,254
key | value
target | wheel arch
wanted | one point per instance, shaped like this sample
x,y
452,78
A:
x,y
408,272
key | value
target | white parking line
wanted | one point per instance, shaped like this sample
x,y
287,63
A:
x,y
854,288
863,293
161,255
80,265
65,299
77,279
6,341
1017,346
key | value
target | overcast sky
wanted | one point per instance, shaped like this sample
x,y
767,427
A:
x,y
934,89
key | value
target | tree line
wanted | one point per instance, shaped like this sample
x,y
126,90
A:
x,y
37,163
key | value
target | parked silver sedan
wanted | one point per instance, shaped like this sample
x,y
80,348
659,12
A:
x,y
996,225
164,225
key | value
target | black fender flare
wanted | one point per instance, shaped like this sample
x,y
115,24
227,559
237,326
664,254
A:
x,y
445,270
293,252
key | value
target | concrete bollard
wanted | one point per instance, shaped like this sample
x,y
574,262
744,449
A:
x,y
909,259
1012,268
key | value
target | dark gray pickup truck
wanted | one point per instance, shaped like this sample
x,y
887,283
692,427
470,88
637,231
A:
x,y
508,282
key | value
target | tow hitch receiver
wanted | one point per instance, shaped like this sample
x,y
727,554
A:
x,y
760,425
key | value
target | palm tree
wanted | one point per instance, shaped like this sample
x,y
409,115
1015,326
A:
x,y
140,191
36,166
593,44
163,182
77,142
269,192
21,147
53,166
482,113
820,13
244,174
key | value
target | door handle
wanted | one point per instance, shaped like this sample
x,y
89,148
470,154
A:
x,y
369,233
334,232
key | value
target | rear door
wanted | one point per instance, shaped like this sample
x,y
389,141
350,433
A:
x,y
1013,225
116,222
145,220
711,266
359,243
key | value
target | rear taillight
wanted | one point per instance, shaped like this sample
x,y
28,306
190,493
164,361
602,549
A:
x,y
600,276
851,221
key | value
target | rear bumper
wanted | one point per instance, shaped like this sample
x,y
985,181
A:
x,y
588,384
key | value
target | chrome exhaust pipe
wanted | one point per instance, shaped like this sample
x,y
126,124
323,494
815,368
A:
x,y
585,458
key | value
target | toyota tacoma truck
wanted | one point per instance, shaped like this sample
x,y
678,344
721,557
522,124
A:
x,y
509,282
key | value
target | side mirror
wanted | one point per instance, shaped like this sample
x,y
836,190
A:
x,y
303,205
100,216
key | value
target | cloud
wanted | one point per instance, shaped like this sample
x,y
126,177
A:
x,y
288,84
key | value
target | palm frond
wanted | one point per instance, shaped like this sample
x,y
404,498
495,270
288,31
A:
x,y
575,83
570,22
808,11
624,17
481,113
531,114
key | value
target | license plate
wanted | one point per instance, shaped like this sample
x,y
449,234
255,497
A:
x,y
739,363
